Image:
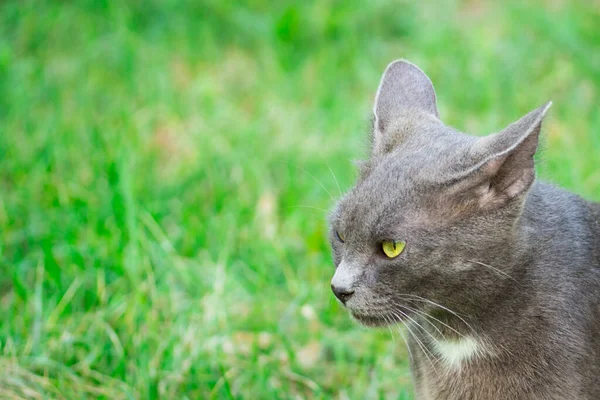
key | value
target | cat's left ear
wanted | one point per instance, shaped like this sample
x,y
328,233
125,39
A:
x,y
404,87
506,168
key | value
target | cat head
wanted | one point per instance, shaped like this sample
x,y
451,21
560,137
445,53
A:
x,y
432,220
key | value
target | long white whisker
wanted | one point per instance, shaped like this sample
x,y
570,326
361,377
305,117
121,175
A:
x,y
419,343
421,313
499,271
425,315
419,298
316,180
407,345
336,181
389,322
420,326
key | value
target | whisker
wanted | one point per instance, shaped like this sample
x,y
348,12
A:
x,y
425,315
336,181
421,313
419,343
499,271
315,179
419,298
426,352
389,322
410,355
421,326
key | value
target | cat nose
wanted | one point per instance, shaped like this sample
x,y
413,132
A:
x,y
342,293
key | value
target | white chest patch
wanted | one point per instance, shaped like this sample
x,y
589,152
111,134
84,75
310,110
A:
x,y
455,352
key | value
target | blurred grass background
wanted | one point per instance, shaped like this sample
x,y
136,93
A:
x,y
166,167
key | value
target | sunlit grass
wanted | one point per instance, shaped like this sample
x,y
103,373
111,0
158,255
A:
x,y
166,169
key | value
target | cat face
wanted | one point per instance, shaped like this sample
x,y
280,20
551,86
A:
x,y
433,212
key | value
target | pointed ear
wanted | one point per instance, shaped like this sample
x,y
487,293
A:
x,y
507,168
403,86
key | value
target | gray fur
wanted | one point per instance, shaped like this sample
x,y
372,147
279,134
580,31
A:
x,y
517,260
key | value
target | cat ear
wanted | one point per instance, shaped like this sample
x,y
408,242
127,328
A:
x,y
507,168
403,86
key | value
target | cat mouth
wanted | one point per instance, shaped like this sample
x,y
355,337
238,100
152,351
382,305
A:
x,y
376,320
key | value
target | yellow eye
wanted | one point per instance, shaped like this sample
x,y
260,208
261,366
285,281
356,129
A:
x,y
340,236
393,248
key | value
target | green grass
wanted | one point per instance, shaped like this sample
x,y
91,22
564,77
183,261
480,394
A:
x,y
166,167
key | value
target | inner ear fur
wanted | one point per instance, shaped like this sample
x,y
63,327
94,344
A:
x,y
505,167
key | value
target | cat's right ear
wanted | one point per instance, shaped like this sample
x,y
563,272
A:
x,y
403,87
506,167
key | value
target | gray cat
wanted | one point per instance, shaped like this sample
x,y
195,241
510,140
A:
x,y
495,275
